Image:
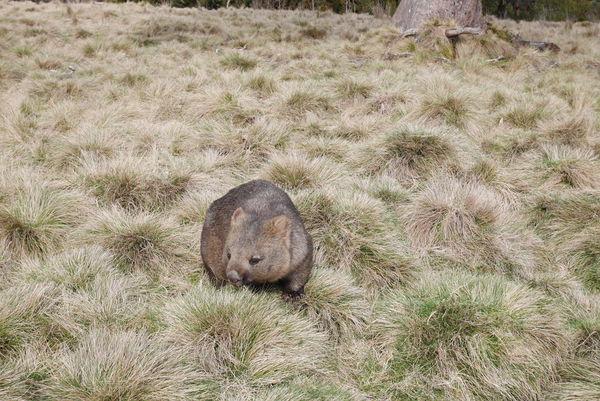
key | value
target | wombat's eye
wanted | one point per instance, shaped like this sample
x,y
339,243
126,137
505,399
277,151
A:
x,y
228,255
254,260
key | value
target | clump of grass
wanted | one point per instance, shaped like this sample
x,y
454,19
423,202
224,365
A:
x,y
48,63
433,42
23,51
135,184
302,389
294,171
562,216
350,132
458,335
133,79
262,84
72,270
525,116
117,365
450,211
251,145
110,300
239,335
497,100
155,30
584,248
572,130
313,32
140,242
567,167
580,381
90,50
385,188
355,233
192,208
300,102
511,146
37,220
69,153
584,320
449,106
332,148
351,89
470,224
238,61
335,303
408,152
23,316
484,47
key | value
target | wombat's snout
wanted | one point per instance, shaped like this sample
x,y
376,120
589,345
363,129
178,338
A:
x,y
236,279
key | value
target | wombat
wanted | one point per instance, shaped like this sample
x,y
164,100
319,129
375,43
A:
x,y
255,235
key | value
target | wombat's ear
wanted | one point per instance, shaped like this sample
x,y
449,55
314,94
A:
x,y
238,216
279,226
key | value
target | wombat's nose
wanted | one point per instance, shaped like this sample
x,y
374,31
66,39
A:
x,y
234,277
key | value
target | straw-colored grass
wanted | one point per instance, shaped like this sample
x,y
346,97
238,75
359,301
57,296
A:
x,y
450,188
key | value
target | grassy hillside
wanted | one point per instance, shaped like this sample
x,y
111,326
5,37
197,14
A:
x,y
452,191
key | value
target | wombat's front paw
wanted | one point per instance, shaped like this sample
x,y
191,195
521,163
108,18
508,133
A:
x,y
292,296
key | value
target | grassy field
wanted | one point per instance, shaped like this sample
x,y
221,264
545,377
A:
x,y
452,191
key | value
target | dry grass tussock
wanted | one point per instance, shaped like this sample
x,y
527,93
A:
x,y
451,190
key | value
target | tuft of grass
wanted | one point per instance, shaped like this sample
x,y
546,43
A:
x,y
563,215
24,374
385,188
239,335
584,248
580,381
313,32
72,270
300,102
193,207
351,89
355,233
585,322
525,116
23,51
37,219
337,305
469,224
262,84
133,79
23,316
451,107
140,242
250,145
407,152
568,167
118,365
162,28
111,300
134,184
238,61
460,335
88,147
294,171
572,131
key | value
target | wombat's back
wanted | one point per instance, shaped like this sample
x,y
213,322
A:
x,y
261,199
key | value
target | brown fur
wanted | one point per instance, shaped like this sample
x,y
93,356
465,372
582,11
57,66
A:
x,y
254,235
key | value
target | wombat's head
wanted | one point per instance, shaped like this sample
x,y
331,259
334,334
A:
x,y
257,250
